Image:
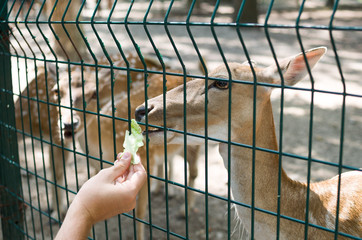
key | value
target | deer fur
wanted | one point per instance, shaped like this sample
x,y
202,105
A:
x,y
68,43
67,122
323,195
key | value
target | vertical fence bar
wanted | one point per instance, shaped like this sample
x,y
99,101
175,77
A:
x,y
129,81
113,99
24,145
281,121
10,179
204,68
165,134
159,57
217,42
185,116
311,121
69,67
340,160
62,140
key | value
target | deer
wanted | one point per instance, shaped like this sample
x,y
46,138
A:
x,y
322,210
67,41
36,115
93,130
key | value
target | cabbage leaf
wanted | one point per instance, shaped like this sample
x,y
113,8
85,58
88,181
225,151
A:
x,y
133,141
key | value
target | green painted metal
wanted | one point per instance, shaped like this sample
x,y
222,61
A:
x,y
10,186
11,196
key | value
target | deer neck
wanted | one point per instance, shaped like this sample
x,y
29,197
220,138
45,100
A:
x,y
266,167
105,95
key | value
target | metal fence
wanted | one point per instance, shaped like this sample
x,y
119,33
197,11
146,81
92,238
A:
x,y
73,72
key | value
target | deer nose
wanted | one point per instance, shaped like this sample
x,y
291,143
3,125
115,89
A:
x,y
71,125
141,112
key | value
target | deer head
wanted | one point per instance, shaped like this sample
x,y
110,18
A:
x,y
218,90
242,88
79,89
75,95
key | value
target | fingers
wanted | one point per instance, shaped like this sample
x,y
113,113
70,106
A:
x,y
121,165
135,168
139,168
123,173
137,176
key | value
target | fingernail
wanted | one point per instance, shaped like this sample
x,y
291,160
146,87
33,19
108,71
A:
x,y
126,155
115,162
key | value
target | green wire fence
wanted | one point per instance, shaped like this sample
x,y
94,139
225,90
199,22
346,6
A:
x,y
318,125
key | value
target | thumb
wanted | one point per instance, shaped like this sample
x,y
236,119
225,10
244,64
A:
x,y
121,165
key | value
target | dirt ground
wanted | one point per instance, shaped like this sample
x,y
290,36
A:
x,y
327,113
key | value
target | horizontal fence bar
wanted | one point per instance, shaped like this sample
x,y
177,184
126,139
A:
x,y
198,24
174,74
188,188
213,79
191,135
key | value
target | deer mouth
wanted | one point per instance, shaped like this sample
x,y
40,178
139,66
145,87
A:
x,y
152,130
157,135
68,134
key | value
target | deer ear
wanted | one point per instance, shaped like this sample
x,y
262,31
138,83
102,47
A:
x,y
294,68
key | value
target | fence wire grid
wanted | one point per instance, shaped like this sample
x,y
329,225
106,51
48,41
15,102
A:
x,y
74,72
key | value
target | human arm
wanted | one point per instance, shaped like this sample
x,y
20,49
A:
x,y
112,191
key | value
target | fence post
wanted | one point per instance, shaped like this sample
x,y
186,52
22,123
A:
x,y
10,178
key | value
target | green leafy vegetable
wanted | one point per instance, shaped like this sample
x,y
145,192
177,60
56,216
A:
x,y
133,141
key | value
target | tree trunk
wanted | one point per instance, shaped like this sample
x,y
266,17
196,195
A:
x,y
249,13
330,3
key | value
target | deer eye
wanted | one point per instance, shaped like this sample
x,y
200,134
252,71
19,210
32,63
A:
x,y
94,95
56,92
221,84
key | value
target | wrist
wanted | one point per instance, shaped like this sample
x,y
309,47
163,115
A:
x,y
77,223
78,211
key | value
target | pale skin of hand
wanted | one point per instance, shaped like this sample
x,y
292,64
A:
x,y
111,192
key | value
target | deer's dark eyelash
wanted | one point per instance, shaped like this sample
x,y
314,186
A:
x,y
56,92
220,84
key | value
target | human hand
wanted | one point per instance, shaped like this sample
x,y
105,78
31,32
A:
x,y
112,191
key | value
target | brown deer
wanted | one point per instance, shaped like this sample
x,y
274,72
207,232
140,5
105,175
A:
x,y
68,42
33,119
322,195
96,130
36,115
